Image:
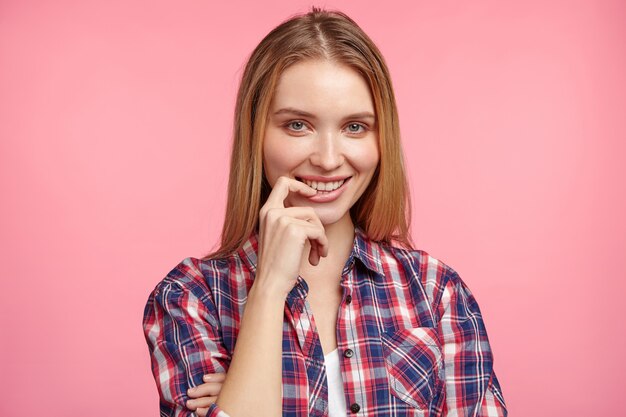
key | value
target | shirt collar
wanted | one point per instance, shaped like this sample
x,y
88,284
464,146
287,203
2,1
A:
x,y
363,249
248,251
367,251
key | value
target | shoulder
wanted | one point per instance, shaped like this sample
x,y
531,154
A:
x,y
417,262
419,266
442,284
198,277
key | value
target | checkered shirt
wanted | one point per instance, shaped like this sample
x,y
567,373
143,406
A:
x,y
410,333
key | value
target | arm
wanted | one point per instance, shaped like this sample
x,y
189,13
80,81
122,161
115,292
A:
x,y
185,344
472,388
254,382
182,329
182,332
287,235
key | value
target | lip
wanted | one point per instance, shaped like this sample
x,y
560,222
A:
x,y
327,197
322,179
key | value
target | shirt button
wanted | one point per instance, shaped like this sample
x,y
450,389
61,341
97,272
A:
x,y
348,353
355,408
348,299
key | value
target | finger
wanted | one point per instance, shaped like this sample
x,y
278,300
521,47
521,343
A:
x,y
205,390
321,247
217,377
314,255
309,214
282,188
203,402
202,412
316,235
270,216
274,215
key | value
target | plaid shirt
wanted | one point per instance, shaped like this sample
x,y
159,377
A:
x,y
410,333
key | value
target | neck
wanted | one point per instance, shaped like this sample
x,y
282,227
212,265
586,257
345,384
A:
x,y
340,234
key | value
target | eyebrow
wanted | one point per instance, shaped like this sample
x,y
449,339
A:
x,y
302,113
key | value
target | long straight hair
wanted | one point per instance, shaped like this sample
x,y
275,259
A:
x,y
383,211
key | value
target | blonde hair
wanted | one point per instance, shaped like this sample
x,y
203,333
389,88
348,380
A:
x,y
383,211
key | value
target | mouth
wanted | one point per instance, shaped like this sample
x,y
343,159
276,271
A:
x,y
328,189
324,187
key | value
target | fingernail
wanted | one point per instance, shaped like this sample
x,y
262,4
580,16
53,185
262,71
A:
x,y
206,377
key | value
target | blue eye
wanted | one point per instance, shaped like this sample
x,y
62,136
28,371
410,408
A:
x,y
356,128
296,125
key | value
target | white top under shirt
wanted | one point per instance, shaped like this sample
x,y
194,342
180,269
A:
x,y
336,396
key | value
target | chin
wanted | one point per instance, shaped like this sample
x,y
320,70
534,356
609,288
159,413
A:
x,y
328,213
328,217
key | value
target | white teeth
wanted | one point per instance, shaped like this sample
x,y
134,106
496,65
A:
x,y
324,186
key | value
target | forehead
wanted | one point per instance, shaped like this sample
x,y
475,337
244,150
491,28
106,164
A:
x,y
322,87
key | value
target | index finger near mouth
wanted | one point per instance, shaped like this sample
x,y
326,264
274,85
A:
x,y
283,187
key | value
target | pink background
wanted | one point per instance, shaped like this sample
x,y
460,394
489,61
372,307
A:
x,y
115,123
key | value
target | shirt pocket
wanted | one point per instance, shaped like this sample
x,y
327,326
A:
x,y
414,363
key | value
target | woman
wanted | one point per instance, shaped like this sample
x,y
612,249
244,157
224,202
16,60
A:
x,y
331,310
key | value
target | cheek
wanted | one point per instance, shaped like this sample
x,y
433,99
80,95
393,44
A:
x,y
273,159
366,158
271,167
280,156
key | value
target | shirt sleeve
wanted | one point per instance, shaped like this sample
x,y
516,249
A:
x,y
182,331
471,386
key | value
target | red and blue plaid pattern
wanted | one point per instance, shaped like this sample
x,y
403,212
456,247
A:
x,y
410,333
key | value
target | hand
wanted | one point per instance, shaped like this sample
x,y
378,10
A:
x,y
286,235
205,394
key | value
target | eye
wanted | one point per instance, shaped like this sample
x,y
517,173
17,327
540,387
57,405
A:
x,y
356,128
296,125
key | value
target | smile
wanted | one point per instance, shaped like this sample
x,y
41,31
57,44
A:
x,y
324,186
327,191
321,186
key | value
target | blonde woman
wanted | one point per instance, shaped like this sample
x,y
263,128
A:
x,y
316,304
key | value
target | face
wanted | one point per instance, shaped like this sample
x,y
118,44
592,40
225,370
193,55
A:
x,y
322,131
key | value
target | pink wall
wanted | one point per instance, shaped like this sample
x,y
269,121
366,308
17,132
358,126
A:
x,y
115,125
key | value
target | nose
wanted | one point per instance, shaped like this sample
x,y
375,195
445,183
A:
x,y
327,153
